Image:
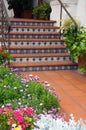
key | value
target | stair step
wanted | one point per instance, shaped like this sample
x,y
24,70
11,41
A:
x,y
35,35
35,40
51,57
28,64
31,66
36,47
40,55
33,28
32,22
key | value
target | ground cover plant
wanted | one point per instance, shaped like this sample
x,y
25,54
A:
x,y
47,122
17,92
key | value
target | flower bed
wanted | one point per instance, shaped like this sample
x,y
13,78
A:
x,y
17,92
30,104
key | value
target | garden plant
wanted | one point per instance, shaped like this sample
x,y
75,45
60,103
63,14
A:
x,y
4,56
75,40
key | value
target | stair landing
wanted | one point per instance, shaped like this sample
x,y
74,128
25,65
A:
x,y
70,87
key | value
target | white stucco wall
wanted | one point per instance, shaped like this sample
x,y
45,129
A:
x,y
71,6
81,12
10,12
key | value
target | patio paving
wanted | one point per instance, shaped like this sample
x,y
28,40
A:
x,y
70,87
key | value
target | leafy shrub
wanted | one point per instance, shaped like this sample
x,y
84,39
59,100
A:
x,y
4,56
16,91
42,11
75,39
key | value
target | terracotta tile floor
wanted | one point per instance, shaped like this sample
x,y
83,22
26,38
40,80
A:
x,y
70,86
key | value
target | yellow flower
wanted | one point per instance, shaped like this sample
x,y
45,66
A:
x,y
18,128
28,119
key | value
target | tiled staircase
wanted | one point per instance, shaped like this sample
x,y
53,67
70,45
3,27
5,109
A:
x,y
35,46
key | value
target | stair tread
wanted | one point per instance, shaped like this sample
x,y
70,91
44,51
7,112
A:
x,y
34,33
36,47
40,55
35,40
30,20
28,64
38,27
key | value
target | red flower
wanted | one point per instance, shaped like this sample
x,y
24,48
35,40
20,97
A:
x,y
1,50
5,55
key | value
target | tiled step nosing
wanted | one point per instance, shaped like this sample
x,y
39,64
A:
x,y
42,59
44,68
33,29
42,51
32,22
40,55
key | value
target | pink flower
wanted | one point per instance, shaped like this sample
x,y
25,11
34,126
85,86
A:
x,y
1,110
17,113
30,111
20,119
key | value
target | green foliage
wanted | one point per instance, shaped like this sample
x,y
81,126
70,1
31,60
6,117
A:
x,y
82,69
4,56
42,11
17,92
75,39
3,122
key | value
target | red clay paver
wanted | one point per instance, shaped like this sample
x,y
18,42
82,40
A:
x,y
70,86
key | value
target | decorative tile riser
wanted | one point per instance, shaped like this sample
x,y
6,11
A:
x,y
35,43
26,36
32,30
28,69
32,23
49,59
38,51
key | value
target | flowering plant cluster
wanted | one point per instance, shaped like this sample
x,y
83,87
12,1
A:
x,y
19,119
4,56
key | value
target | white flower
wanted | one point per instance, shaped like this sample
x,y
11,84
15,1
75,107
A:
x,y
13,125
3,106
